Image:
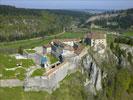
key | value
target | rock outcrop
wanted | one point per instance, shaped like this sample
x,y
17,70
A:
x,y
94,74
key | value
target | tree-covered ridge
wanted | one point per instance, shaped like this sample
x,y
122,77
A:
x,y
19,23
12,11
114,20
118,22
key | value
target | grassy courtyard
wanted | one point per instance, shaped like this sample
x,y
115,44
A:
x,y
52,58
7,63
38,72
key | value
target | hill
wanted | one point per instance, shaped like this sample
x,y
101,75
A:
x,y
114,20
20,23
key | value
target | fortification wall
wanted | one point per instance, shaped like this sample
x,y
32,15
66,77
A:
x,y
11,83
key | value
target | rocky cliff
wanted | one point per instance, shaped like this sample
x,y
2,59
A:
x,y
93,81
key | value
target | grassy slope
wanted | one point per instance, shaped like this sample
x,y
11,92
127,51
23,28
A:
x,y
71,89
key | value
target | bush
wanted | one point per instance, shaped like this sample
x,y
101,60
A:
x,y
123,80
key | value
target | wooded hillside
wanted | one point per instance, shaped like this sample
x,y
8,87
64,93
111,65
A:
x,y
18,23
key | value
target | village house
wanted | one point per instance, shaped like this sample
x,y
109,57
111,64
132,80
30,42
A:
x,y
97,41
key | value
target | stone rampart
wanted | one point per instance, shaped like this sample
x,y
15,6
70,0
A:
x,y
11,83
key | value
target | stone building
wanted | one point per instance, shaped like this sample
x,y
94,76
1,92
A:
x,y
97,41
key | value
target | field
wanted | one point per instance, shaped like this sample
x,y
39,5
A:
x,y
129,33
72,35
71,88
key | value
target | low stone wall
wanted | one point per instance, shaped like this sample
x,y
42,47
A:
x,y
11,83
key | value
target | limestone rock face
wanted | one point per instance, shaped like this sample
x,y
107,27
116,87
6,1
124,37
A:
x,y
87,62
94,74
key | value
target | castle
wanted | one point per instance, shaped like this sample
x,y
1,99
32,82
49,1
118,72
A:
x,y
68,53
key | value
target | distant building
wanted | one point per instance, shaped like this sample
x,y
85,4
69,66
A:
x,y
97,41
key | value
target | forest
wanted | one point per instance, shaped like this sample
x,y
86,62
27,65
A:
x,y
20,23
123,21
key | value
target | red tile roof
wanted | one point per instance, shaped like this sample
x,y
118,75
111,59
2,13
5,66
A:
x,y
96,36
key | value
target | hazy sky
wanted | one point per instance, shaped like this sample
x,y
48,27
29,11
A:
x,y
70,4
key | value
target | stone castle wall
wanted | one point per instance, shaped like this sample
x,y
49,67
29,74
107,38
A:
x,y
10,83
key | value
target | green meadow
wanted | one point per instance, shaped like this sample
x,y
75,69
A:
x,y
129,33
72,35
